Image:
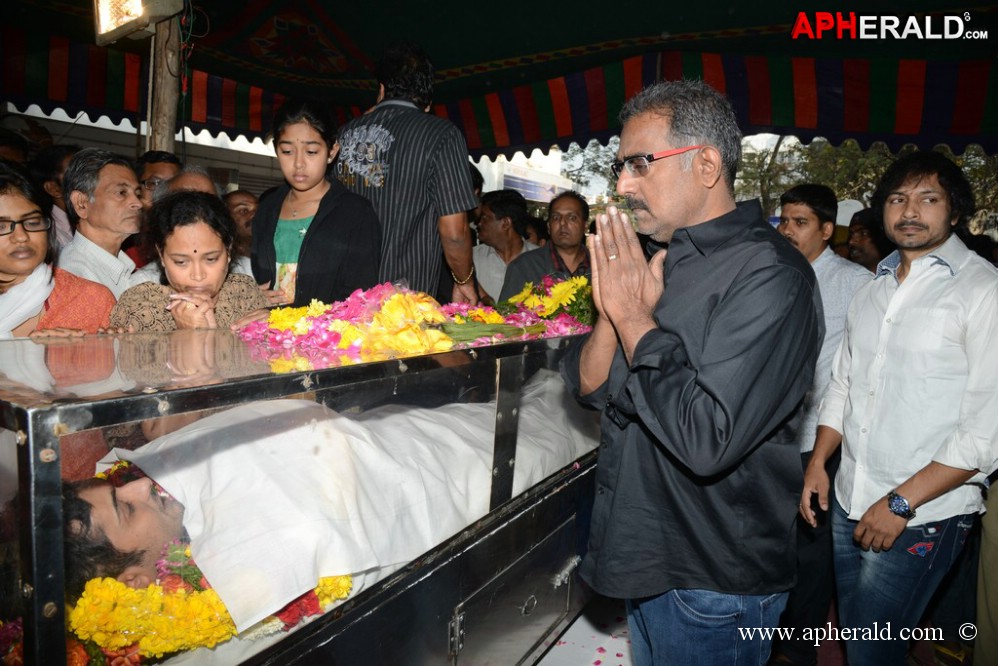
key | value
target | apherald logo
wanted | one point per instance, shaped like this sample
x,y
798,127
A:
x,y
849,25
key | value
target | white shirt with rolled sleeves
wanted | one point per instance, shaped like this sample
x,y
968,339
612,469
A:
x,y
914,381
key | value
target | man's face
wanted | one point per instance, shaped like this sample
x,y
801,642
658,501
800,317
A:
x,y
54,187
152,175
242,208
134,517
534,238
917,216
566,224
489,227
116,208
665,198
800,225
862,249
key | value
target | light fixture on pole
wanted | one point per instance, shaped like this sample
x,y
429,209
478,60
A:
x,y
114,19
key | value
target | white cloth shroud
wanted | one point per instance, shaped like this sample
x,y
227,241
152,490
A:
x,y
280,493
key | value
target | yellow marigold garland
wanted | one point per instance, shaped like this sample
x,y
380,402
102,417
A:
x,y
180,611
115,616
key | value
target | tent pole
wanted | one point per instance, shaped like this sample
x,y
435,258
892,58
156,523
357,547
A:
x,y
165,86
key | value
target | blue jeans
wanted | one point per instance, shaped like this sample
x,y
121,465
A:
x,y
700,627
887,592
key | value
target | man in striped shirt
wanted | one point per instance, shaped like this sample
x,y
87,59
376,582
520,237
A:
x,y
413,167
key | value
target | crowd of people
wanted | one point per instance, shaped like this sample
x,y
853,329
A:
x,y
390,198
780,425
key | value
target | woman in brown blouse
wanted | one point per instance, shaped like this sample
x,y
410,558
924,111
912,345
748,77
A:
x,y
193,235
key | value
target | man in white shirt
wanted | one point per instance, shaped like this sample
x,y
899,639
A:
x,y
103,195
913,403
502,225
807,219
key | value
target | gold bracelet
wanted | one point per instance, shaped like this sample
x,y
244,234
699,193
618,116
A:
x,y
465,280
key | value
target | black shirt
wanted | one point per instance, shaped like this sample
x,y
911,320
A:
x,y
699,472
413,167
534,265
340,252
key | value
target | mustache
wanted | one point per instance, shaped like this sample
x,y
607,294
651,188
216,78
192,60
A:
x,y
635,203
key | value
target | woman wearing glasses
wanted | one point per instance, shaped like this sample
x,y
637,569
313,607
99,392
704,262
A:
x,y
35,296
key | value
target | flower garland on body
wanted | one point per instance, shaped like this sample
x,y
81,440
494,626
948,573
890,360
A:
x,y
122,625
389,321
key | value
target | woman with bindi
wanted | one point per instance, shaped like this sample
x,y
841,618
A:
x,y
312,238
193,235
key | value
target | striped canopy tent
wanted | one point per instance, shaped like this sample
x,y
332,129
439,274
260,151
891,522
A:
x,y
890,100
924,93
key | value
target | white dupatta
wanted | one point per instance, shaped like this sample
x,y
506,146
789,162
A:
x,y
25,300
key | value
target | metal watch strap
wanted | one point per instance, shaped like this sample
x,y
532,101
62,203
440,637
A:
x,y
899,506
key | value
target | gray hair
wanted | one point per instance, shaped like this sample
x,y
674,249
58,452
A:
x,y
83,174
697,114
163,186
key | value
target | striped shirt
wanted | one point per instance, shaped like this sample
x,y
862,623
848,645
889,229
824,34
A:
x,y
413,167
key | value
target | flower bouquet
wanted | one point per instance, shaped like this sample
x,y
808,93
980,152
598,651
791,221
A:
x,y
566,303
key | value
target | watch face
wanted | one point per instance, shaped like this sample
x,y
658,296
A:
x,y
899,505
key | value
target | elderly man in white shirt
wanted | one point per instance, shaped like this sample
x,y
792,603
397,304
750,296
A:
x,y
103,195
913,403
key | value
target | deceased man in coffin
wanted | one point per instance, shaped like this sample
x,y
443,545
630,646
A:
x,y
275,495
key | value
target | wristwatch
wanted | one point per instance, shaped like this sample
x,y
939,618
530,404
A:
x,y
899,506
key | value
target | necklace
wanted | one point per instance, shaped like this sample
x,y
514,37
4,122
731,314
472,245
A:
x,y
305,205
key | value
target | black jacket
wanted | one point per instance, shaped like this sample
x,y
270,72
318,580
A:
x,y
341,251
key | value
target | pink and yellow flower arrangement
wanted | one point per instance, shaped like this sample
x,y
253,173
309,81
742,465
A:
x,y
563,304
388,321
